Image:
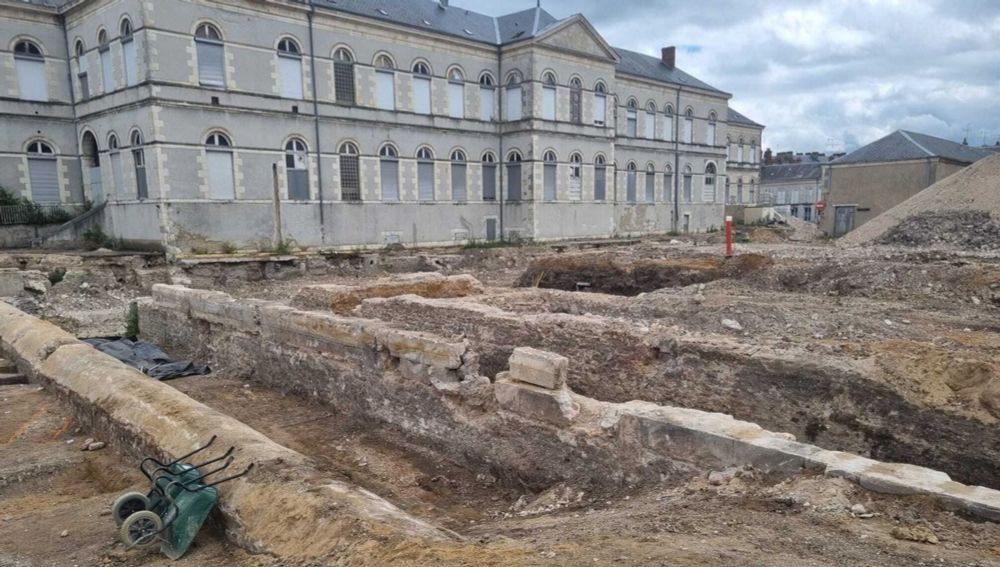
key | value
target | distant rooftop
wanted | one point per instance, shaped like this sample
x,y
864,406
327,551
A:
x,y
790,172
903,145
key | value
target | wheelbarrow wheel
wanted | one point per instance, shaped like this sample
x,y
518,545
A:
x,y
140,529
128,504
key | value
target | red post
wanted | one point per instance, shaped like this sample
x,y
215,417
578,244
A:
x,y
729,237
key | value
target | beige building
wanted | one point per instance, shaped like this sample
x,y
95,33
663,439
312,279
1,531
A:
x,y
743,160
872,179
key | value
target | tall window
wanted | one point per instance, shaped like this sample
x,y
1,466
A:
x,y
600,179
548,96
753,152
385,83
350,172
689,126
129,53
489,177
632,119
575,176
549,176
650,121
290,68
650,183
668,132
708,191
82,68
458,180
343,76
668,183
30,64
425,174
117,175
456,93
219,155
600,104
389,169
107,64
421,88
211,56
514,176
43,173
630,181
487,96
139,163
297,169
739,192
688,183
730,149
576,101
739,151
711,128
514,100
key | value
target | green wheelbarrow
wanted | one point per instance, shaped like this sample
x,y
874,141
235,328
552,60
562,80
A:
x,y
177,504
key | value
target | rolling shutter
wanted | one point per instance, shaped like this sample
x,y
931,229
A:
x,y
514,103
44,180
458,191
31,79
425,181
489,182
131,74
211,64
385,90
514,182
290,69
390,180
548,103
220,175
117,176
486,104
456,100
421,95
550,182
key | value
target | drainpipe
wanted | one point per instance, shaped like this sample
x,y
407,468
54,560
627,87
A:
x,y
501,164
319,145
677,161
72,101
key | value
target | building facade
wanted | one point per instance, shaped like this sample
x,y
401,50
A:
x,y
794,189
354,122
743,160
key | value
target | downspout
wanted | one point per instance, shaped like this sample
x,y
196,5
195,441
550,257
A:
x,y
72,101
319,145
677,160
501,165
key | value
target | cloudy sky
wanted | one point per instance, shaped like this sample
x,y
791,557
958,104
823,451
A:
x,y
825,74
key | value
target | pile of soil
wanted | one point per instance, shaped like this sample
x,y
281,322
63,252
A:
x,y
961,229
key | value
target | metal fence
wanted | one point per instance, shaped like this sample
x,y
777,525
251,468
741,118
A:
x,y
38,214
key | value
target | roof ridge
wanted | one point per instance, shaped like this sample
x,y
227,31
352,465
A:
x,y
916,143
538,16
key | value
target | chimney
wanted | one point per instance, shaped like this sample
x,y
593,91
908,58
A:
x,y
669,56
442,4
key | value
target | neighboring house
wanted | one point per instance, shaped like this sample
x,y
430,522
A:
x,y
874,178
379,121
743,144
793,189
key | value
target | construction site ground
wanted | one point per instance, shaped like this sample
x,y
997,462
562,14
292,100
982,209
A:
x,y
930,317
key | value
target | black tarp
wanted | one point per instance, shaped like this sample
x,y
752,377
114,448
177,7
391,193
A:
x,y
148,358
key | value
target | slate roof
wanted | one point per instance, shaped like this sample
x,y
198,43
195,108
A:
x,y
790,172
902,145
737,118
524,24
634,63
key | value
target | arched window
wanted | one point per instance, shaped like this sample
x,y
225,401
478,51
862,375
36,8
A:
x,y
487,97
139,164
489,176
600,104
739,151
650,132
575,176
343,76
83,79
421,88
708,192
350,172
549,96
385,83
632,118
425,174
211,56
107,64
550,169
576,100
30,63
515,102
389,169
112,142
712,119
456,93
43,173
668,183
115,159
129,54
631,178
600,178
650,183
689,126
688,184
219,157
668,132
102,38
297,169
514,176
459,192
290,69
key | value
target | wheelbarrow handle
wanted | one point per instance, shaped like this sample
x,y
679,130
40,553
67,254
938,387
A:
x,y
234,477
175,461
227,454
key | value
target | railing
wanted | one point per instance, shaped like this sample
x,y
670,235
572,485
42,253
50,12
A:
x,y
38,214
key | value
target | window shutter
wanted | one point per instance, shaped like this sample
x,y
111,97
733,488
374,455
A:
x,y
549,103
687,188
390,180
688,130
220,175
486,104
44,180
425,181
107,71
422,95
514,182
650,187
456,100
550,182
514,104
711,134
650,125
630,188
489,182
600,183
31,79
600,109
211,64
458,192
385,90
291,77
131,73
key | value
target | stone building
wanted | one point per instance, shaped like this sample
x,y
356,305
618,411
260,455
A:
x,y
362,122
874,178
794,189
743,160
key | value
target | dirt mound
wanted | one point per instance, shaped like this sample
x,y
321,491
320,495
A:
x,y
961,229
605,274
974,190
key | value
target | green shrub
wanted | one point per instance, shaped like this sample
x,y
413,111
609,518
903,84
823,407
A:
x,y
57,275
132,322
95,238
228,248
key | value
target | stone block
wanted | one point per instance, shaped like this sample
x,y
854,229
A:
x,y
173,297
899,478
552,406
539,367
422,348
11,282
343,299
315,330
